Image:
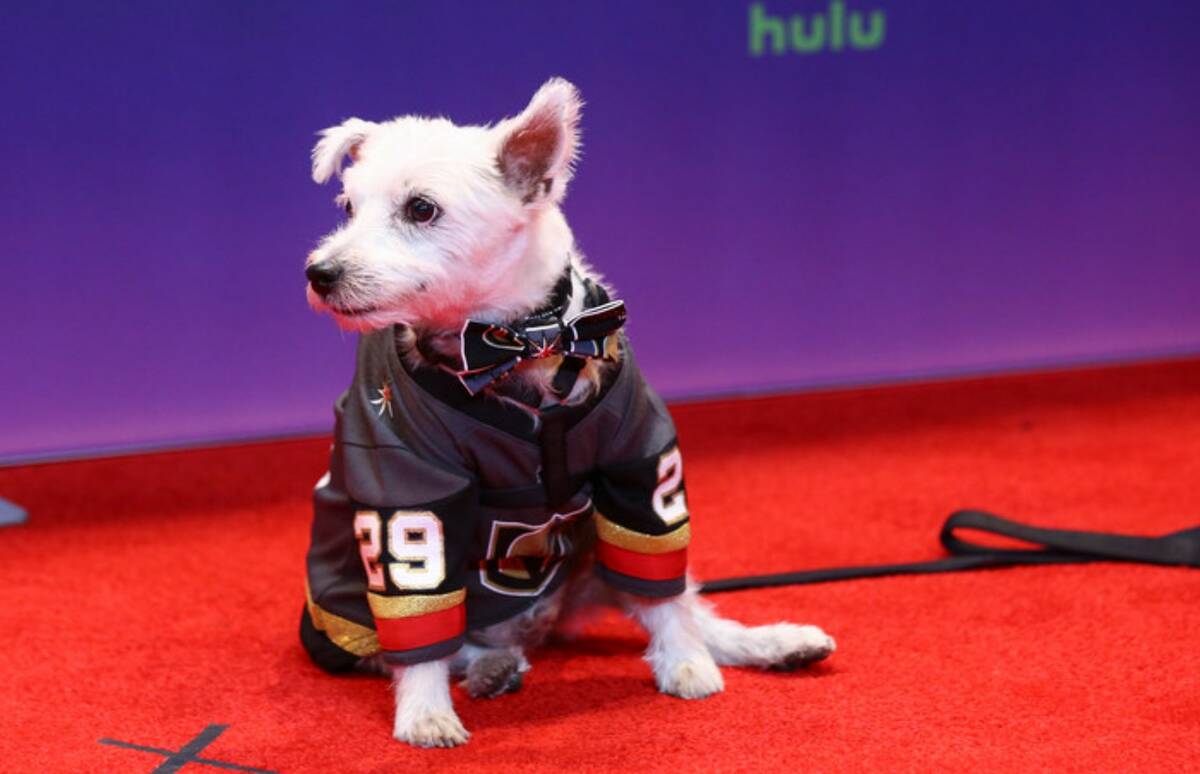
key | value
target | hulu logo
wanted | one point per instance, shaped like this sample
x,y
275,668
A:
x,y
831,31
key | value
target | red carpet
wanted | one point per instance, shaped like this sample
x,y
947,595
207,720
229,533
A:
x,y
153,596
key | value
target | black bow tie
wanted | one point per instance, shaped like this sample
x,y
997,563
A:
x,y
491,351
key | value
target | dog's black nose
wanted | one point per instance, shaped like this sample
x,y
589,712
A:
x,y
323,277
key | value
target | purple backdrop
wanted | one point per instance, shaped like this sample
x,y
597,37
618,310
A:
x,y
996,185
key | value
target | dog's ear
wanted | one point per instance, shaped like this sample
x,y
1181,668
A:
x,y
335,144
538,148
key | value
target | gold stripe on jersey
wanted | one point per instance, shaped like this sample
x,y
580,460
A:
x,y
411,605
623,537
347,635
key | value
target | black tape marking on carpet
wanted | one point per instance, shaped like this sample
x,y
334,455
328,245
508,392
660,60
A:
x,y
189,753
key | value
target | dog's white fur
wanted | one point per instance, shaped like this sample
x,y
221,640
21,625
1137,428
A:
x,y
494,251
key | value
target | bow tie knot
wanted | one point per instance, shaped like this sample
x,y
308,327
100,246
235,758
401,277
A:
x,y
490,351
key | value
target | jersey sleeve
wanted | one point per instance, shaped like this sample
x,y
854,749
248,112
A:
x,y
642,521
642,524
413,558
405,522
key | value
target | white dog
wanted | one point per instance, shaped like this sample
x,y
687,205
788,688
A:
x,y
498,464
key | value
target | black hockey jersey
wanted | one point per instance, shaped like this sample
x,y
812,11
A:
x,y
442,512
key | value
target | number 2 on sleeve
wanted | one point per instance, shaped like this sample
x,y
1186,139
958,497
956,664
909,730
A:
x,y
370,546
669,501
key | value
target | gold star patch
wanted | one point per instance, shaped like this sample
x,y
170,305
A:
x,y
384,401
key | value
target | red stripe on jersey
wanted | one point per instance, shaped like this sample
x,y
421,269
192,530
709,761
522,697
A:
x,y
419,631
668,566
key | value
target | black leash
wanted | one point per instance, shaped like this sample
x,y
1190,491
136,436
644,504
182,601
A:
x,y
1057,546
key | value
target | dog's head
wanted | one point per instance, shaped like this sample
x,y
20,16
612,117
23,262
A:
x,y
441,220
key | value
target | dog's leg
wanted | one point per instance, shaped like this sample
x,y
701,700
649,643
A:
x,y
493,662
775,646
424,713
490,672
681,662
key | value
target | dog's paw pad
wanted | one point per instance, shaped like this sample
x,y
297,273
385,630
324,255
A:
x,y
434,730
694,679
493,674
804,645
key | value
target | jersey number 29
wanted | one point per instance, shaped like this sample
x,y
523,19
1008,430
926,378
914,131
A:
x,y
416,559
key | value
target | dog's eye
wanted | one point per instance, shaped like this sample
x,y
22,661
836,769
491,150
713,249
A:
x,y
348,208
420,210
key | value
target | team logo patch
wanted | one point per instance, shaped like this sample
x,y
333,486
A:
x,y
524,558
384,400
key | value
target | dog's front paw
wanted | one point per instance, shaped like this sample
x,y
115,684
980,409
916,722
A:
x,y
693,678
791,646
493,674
435,729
